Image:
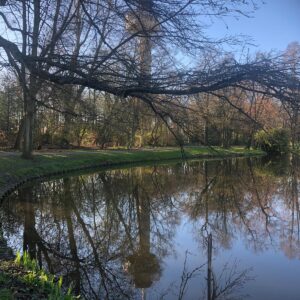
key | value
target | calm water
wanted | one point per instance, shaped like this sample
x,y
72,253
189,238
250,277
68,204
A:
x,y
171,231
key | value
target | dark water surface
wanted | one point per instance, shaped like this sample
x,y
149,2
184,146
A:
x,y
176,231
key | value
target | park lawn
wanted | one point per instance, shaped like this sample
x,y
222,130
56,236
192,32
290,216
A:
x,y
15,169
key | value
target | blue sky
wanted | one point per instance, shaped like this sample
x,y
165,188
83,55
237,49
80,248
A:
x,y
273,26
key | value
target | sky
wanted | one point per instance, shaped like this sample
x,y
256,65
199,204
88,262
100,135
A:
x,y
273,26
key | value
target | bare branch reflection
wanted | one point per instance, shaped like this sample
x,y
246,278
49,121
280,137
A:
x,y
112,233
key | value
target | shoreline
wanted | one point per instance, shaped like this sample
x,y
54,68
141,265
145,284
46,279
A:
x,y
15,171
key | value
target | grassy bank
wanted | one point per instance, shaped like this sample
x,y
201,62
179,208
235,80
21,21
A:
x,y
23,279
14,170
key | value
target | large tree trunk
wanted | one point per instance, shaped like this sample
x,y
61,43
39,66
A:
x,y
30,92
28,128
20,135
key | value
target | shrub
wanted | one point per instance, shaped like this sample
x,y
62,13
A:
x,y
274,141
36,277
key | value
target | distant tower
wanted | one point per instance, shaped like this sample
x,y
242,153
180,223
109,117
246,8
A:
x,y
143,22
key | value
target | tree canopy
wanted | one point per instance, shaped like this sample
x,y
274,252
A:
x,y
131,49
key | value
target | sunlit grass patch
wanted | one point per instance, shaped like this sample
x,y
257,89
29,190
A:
x,y
14,169
24,278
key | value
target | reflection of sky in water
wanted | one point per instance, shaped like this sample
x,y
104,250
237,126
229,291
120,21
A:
x,y
275,276
271,249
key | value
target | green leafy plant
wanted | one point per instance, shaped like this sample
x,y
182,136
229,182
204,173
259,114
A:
x,y
38,277
274,141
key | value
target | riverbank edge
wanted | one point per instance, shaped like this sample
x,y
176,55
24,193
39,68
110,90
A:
x,y
19,176
55,164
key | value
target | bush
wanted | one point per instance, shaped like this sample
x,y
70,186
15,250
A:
x,y
38,281
274,141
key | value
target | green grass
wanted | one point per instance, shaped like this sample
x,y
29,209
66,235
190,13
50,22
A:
x,y
15,169
6,294
5,291
25,280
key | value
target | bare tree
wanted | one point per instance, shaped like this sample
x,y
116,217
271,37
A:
x,y
292,108
128,62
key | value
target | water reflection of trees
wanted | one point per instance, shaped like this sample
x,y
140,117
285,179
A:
x,y
290,235
88,228
107,233
259,202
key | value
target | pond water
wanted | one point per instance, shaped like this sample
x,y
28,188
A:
x,y
223,229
